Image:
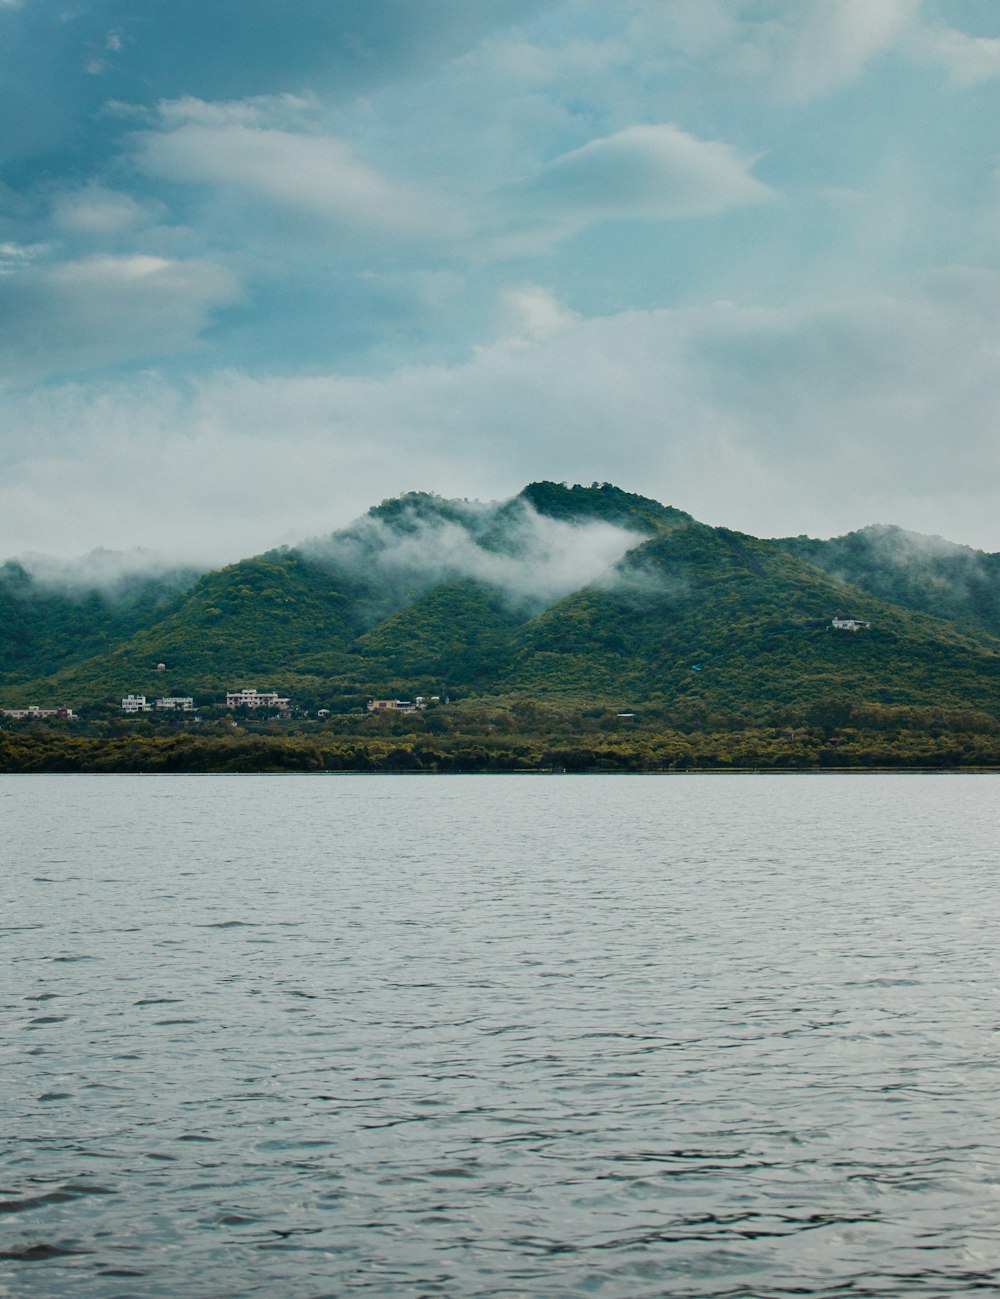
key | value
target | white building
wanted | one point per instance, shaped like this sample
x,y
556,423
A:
x,y
849,624
249,698
176,703
136,704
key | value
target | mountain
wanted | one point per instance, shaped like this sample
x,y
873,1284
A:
x,y
590,595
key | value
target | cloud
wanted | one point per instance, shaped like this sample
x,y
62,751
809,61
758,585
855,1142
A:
x,y
653,173
227,49
967,59
15,257
415,243
104,310
816,418
111,571
530,312
233,149
539,560
791,50
100,213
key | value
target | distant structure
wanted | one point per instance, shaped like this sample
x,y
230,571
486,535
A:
x,y
849,624
398,705
249,698
136,704
161,667
176,704
34,711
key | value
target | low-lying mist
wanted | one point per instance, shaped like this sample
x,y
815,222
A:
x,y
531,560
111,572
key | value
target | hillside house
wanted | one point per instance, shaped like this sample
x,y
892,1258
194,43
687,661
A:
x,y
850,624
136,704
397,705
176,704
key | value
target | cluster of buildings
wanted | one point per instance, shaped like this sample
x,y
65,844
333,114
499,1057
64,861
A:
x,y
243,698
850,624
246,697
168,703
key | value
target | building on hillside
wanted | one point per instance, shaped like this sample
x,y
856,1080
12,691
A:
x,y
136,704
176,704
397,705
850,624
250,698
34,711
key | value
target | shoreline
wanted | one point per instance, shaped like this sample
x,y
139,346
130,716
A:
x,y
551,771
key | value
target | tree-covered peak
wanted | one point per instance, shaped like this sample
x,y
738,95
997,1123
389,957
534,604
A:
x,y
601,501
413,510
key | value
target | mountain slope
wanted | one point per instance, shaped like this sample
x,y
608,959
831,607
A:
x,y
918,572
712,619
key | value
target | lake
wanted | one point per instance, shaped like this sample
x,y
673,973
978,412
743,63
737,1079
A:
x,y
304,1036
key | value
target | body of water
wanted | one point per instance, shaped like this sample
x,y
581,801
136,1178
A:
x,y
620,1036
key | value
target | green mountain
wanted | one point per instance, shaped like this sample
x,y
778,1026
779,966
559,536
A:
x,y
583,595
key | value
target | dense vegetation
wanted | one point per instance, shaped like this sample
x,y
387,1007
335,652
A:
x,y
719,643
521,735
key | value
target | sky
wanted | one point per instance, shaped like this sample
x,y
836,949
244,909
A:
x,y
264,265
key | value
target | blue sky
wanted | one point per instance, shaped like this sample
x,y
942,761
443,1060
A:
x,y
264,265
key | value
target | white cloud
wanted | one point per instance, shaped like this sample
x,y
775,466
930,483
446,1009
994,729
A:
x,y
235,149
656,173
818,419
967,59
793,49
103,310
16,257
530,312
97,212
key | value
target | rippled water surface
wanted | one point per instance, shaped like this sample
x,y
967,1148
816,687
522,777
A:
x,y
491,1036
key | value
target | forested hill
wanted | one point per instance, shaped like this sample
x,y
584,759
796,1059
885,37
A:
x,y
587,594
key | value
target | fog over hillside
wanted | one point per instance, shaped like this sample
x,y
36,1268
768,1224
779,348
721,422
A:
x,y
534,560
109,571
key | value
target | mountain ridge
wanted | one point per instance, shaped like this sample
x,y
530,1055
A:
x,y
563,592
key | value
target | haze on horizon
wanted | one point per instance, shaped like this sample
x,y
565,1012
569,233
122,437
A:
x,y
260,270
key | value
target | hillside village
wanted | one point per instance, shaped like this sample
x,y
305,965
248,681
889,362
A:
x,y
264,701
